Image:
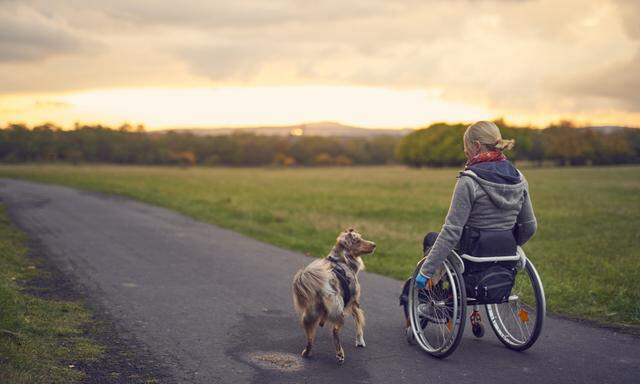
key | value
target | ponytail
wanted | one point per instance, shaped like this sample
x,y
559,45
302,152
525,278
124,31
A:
x,y
504,144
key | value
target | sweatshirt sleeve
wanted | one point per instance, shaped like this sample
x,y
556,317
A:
x,y
461,203
526,220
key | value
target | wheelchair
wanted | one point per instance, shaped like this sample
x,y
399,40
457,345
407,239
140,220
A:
x,y
438,312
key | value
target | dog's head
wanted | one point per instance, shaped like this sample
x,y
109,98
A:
x,y
352,242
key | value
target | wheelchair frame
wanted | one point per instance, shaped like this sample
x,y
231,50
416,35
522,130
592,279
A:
x,y
454,266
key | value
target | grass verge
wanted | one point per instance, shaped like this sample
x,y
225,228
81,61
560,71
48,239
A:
x,y
48,332
42,340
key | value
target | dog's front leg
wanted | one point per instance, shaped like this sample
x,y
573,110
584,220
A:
x,y
336,341
358,316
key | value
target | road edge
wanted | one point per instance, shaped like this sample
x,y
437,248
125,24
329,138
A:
x,y
125,359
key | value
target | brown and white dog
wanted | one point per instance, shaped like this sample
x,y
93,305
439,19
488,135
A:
x,y
328,289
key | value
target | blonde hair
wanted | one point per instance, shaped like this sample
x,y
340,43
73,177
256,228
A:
x,y
487,134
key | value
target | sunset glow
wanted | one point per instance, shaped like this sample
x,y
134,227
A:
x,y
195,107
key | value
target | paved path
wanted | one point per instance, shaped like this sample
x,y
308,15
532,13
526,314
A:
x,y
209,302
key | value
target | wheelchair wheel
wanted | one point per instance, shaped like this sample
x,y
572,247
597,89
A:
x,y
518,322
437,313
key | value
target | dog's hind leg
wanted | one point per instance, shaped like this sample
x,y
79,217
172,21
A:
x,y
358,316
309,322
336,341
323,317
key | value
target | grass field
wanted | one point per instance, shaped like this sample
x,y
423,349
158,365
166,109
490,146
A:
x,y
42,339
587,248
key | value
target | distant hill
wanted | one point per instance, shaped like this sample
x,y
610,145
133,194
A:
x,y
312,129
328,128
607,129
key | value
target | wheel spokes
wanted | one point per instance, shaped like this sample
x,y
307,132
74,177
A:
x,y
434,311
514,321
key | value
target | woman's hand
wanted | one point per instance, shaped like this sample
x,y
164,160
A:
x,y
422,281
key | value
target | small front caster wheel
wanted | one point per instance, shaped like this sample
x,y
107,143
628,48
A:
x,y
478,330
409,336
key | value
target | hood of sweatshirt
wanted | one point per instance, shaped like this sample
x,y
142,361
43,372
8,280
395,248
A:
x,y
501,181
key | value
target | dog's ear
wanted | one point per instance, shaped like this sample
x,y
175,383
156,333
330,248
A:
x,y
347,238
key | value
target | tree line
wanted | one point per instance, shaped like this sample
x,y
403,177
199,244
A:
x,y
133,145
437,145
559,144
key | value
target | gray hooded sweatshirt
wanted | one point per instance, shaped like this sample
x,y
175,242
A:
x,y
492,195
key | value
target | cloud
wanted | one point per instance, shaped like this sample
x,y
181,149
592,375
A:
x,y
23,106
516,56
227,61
505,55
51,104
27,35
615,80
629,12
210,14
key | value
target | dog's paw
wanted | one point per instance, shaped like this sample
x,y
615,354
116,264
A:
x,y
340,356
360,343
306,352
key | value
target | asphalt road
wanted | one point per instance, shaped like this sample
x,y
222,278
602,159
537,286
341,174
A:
x,y
215,306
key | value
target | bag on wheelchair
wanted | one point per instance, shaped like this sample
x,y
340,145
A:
x,y
492,285
489,283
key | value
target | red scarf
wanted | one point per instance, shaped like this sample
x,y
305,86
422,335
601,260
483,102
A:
x,y
484,157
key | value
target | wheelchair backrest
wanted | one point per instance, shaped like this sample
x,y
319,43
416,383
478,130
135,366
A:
x,y
488,242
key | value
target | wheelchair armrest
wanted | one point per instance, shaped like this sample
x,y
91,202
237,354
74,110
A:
x,y
519,256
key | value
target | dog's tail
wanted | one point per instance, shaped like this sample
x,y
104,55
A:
x,y
307,285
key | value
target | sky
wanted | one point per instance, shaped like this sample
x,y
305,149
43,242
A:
x,y
372,63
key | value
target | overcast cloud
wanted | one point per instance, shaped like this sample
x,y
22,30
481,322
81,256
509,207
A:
x,y
569,55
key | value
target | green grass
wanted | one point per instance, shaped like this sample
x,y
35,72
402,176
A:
x,y
41,340
587,248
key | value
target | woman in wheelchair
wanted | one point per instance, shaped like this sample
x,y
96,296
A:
x,y
490,215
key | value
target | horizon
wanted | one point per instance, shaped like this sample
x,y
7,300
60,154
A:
x,y
381,66
313,124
